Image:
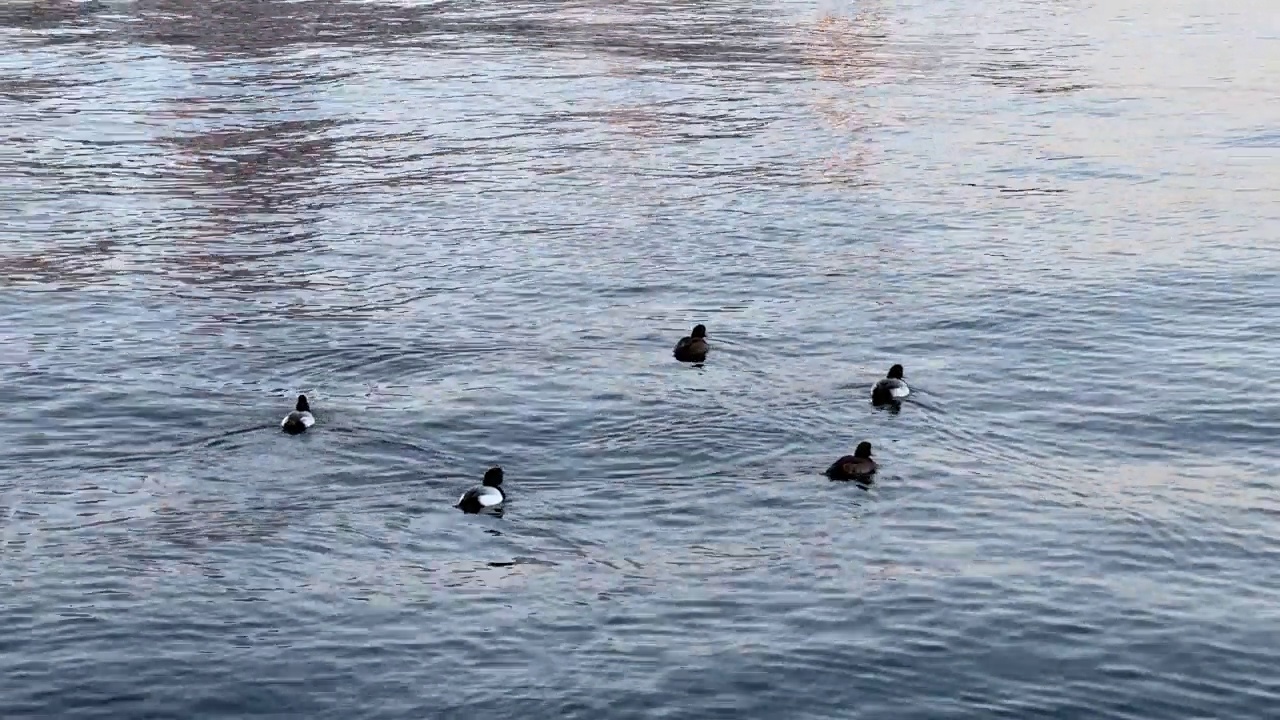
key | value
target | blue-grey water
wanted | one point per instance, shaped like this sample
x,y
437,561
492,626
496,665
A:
x,y
471,232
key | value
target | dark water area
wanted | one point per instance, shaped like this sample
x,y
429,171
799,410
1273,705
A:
x,y
471,232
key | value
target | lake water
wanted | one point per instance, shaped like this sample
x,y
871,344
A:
x,y
471,232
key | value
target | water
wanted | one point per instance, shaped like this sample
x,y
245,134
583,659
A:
x,y
472,232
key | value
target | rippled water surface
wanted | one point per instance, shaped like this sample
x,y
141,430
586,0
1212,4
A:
x,y
471,232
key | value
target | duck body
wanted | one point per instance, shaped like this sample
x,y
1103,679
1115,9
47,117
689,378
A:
x,y
300,419
891,388
694,347
858,466
485,497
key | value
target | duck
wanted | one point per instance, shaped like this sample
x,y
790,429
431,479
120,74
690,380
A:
x,y
694,347
858,466
891,388
486,496
300,419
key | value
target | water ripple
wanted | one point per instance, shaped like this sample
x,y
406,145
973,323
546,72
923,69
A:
x,y
472,232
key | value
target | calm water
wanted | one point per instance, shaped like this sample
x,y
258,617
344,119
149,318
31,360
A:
x,y
472,232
